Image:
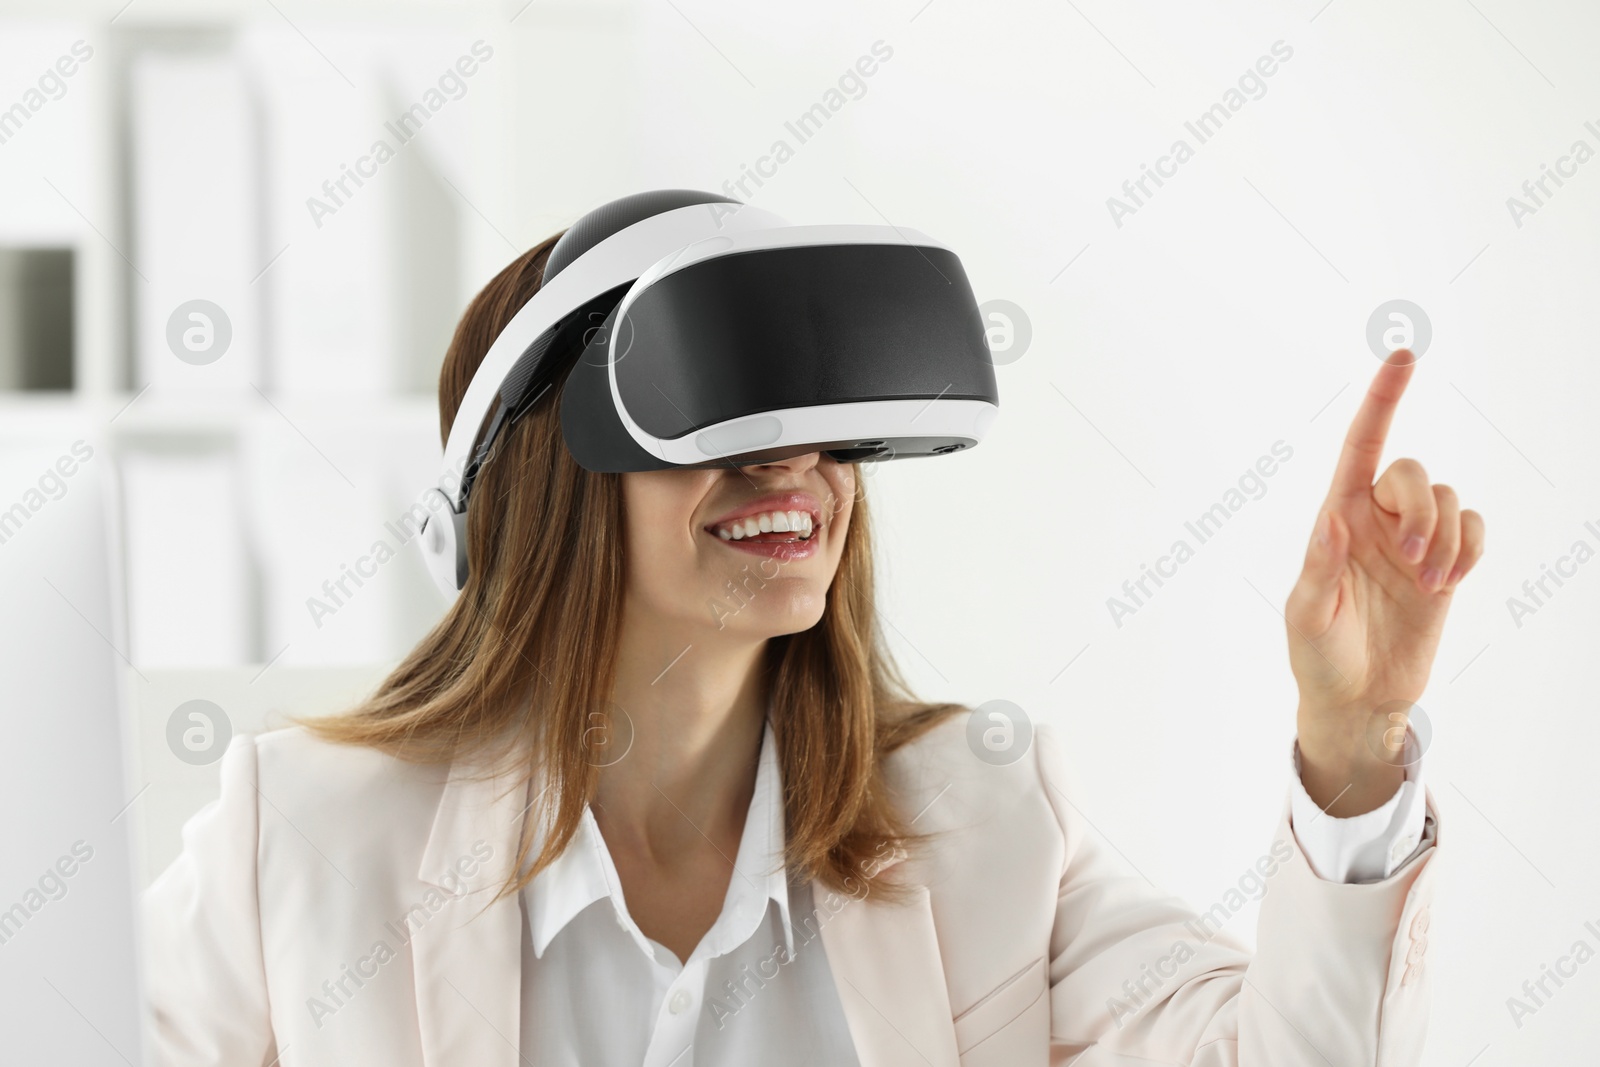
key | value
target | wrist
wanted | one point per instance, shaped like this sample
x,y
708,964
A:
x,y
1350,765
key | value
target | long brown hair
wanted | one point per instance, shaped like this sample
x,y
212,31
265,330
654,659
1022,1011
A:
x,y
521,665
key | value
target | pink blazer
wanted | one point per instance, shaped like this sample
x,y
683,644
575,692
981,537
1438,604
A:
x,y
329,907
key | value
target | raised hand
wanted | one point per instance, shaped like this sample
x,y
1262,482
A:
x,y
1365,616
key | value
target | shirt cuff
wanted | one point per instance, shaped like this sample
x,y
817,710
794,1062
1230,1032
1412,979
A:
x,y
1367,847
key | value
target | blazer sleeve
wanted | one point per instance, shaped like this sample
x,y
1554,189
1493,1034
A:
x,y
205,983
1336,978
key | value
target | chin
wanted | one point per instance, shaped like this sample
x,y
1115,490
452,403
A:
x,y
798,624
752,622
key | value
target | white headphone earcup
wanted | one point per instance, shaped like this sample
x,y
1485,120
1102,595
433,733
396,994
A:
x,y
444,542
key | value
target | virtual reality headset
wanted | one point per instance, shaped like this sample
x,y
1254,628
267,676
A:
x,y
682,329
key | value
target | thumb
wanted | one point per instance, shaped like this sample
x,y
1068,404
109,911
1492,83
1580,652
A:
x,y
1315,597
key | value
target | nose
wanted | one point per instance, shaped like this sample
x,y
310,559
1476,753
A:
x,y
793,464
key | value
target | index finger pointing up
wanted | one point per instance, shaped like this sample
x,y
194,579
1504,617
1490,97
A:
x,y
1358,462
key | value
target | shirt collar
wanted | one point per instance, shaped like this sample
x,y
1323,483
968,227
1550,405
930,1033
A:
x,y
585,873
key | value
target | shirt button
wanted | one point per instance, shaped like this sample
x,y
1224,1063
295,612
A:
x,y
1419,924
680,1002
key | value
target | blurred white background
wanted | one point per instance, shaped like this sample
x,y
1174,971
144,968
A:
x,y
1172,341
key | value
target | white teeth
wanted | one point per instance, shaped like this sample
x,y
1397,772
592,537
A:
x,y
797,522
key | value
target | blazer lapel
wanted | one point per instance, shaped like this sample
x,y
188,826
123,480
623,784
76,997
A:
x,y
467,952
886,965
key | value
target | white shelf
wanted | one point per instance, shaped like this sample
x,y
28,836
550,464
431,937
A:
x,y
131,414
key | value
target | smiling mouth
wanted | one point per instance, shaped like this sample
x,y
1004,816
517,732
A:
x,y
769,527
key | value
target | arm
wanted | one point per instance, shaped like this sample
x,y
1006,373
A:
x,y
1337,977
204,977
1141,974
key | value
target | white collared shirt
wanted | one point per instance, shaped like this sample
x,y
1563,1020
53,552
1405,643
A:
x,y
597,992
757,988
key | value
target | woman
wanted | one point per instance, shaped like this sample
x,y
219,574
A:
x,y
629,804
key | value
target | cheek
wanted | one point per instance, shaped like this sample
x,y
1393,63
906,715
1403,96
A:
x,y
843,535
663,562
674,571
845,492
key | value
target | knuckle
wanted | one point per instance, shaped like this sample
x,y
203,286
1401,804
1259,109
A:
x,y
1444,494
1408,468
1358,440
1421,512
